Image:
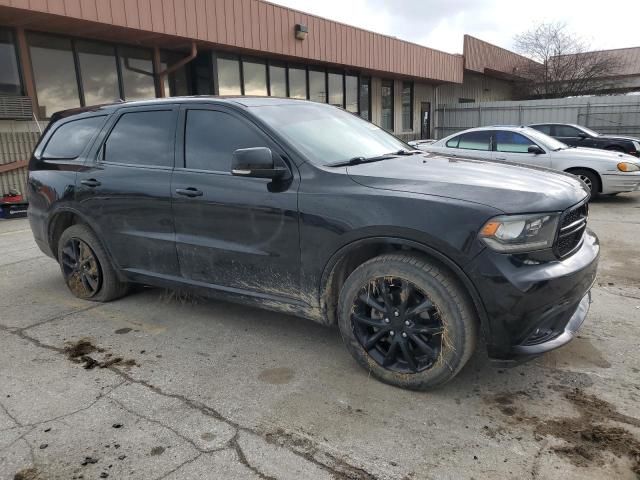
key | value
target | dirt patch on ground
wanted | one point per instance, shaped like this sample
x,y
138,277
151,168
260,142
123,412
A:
x,y
84,351
587,437
276,376
578,353
27,474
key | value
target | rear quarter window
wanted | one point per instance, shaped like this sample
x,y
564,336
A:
x,y
70,139
453,143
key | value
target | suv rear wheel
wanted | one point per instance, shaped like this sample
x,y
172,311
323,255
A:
x,y
407,321
86,268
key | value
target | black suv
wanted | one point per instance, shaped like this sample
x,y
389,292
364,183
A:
x,y
306,209
578,136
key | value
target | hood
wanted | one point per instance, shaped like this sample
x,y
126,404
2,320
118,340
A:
x,y
501,185
596,154
617,137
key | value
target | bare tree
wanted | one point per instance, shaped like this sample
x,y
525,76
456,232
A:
x,y
562,64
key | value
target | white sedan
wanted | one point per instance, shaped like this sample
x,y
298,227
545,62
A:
x,y
603,171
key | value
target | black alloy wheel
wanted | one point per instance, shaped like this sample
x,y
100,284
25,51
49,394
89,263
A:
x,y
81,268
398,325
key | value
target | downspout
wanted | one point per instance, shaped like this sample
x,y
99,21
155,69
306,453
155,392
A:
x,y
172,68
434,128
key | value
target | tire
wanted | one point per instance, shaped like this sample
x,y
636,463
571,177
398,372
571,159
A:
x,y
591,179
97,266
451,312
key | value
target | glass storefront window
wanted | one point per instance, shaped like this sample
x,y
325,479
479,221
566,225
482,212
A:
x,y
228,76
297,83
137,73
351,93
317,86
407,106
278,81
99,72
365,96
336,89
254,74
9,73
176,83
54,73
387,105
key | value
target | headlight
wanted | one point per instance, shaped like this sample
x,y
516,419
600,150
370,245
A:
x,y
520,233
628,167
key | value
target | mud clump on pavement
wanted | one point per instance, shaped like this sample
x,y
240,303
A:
x,y
587,437
81,350
27,474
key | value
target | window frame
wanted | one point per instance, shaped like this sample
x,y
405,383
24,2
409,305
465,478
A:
x,y
98,157
491,141
57,125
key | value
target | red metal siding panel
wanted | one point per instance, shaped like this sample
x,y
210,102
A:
x,y
181,18
169,16
89,9
117,12
157,20
57,7
131,14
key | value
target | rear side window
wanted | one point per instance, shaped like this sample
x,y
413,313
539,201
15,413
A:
x,y
512,142
142,138
476,140
70,139
546,129
211,137
566,131
453,143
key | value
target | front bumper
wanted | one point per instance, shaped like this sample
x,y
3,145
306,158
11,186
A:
x,y
621,182
531,307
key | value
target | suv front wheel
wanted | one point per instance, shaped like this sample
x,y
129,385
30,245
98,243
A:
x,y
85,266
407,321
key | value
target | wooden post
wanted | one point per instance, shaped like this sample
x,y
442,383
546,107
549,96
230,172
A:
x,y
25,67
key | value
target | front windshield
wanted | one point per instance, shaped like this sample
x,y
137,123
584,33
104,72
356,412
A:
x,y
544,140
326,134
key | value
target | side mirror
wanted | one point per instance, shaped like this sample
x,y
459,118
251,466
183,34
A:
x,y
535,149
582,135
256,162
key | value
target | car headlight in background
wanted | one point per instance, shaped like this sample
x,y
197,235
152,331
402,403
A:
x,y
628,167
520,233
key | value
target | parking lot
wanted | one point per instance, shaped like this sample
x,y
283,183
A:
x,y
158,385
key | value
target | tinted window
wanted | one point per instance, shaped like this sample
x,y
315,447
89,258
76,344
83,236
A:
x,y
336,91
407,106
228,76
142,138
54,72
365,88
512,142
99,72
137,73
351,93
211,137
566,131
546,129
317,86
278,79
9,76
255,78
453,143
387,105
476,140
297,83
69,139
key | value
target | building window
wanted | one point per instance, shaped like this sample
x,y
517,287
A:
x,y
387,105
365,98
336,89
176,83
297,83
351,93
407,106
54,73
254,74
97,62
9,74
137,73
317,86
228,76
277,81
466,100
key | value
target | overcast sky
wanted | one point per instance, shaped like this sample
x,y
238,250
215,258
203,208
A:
x,y
441,24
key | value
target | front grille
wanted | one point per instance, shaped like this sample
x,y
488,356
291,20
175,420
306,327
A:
x,y
573,223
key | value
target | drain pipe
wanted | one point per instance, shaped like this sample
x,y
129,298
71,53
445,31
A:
x,y
172,68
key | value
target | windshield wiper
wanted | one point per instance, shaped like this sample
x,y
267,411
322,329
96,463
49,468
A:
x,y
377,158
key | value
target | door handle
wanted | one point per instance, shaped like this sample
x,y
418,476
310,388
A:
x,y
189,192
91,182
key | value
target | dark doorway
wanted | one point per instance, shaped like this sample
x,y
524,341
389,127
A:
x,y
425,120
